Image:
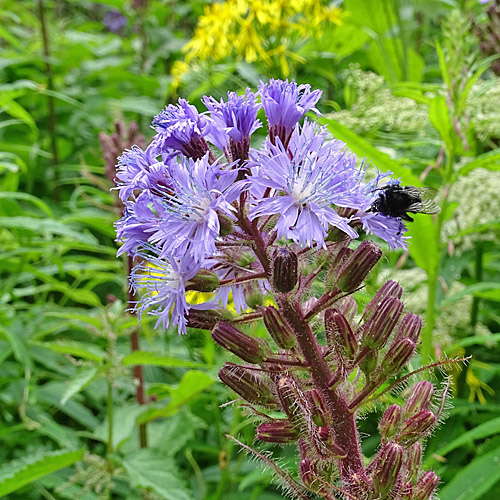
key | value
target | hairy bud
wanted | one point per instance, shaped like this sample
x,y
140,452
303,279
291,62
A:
x,y
410,327
412,459
389,289
253,350
369,362
425,486
278,431
203,281
339,333
285,267
206,319
387,469
309,475
278,328
293,401
247,383
358,265
318,406
420,398
389,422
377,331
397,356
416,427
226,225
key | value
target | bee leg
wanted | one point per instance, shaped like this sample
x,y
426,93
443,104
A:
x,y
405,216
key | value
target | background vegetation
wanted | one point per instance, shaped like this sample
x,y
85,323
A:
x,y
411,85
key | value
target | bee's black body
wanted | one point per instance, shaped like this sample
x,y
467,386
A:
x,y
395,201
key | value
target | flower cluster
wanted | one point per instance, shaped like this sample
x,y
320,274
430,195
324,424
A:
x,y
199,199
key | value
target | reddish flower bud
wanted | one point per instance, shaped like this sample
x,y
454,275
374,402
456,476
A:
x,y
348,307
294,402
327,447
285,266
278,328
249,384
420,398
389,289
358,265
339,333
377,330
204,281
389,422
410,327
278,431
318,407
253,350
198,318
425,486
397,356
416,427
387,469
412,459
309,475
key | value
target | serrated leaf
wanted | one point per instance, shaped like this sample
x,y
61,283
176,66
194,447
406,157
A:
x,y
474,480
76,384
155,359
190,386
16,475
146,470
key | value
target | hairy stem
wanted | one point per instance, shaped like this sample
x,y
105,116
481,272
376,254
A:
x,y
344,423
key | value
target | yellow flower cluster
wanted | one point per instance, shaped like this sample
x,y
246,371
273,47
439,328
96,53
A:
x,y
256,29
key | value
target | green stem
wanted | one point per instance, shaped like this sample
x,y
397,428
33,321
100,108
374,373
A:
x,y
109,404
478,272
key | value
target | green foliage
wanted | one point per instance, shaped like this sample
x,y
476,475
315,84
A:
x,y
410,92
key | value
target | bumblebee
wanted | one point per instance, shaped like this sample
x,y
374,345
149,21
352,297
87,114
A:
x,y
395,200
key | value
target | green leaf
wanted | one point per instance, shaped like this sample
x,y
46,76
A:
x,y
146,470
484,290
28,197
17,474
76,384
474,480
480,432
476,340
156,359
440,118
488,161
79,349
190,386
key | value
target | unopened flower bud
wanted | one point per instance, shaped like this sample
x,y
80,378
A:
x,y
389,289
293,402
348,307
205,319
425,486
412,459
369,362
397,356
309,475
285,265
226,225
278,328
357,267
420,398
416,427
387,469
204,281
245,259
410,327
318,407
278,431
254,296
378,329
249,384
389,422
328,446
339,333
251,349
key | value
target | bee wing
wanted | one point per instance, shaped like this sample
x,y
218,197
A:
x,y
425,206
420,192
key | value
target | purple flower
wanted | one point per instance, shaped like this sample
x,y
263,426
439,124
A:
x,y
199,192
182,128
285,104
238,119
114,20
162,287
135,167
304,183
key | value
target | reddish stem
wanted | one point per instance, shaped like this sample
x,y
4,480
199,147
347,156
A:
x,y
343,421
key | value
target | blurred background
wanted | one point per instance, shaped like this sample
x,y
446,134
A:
x,y
92,406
